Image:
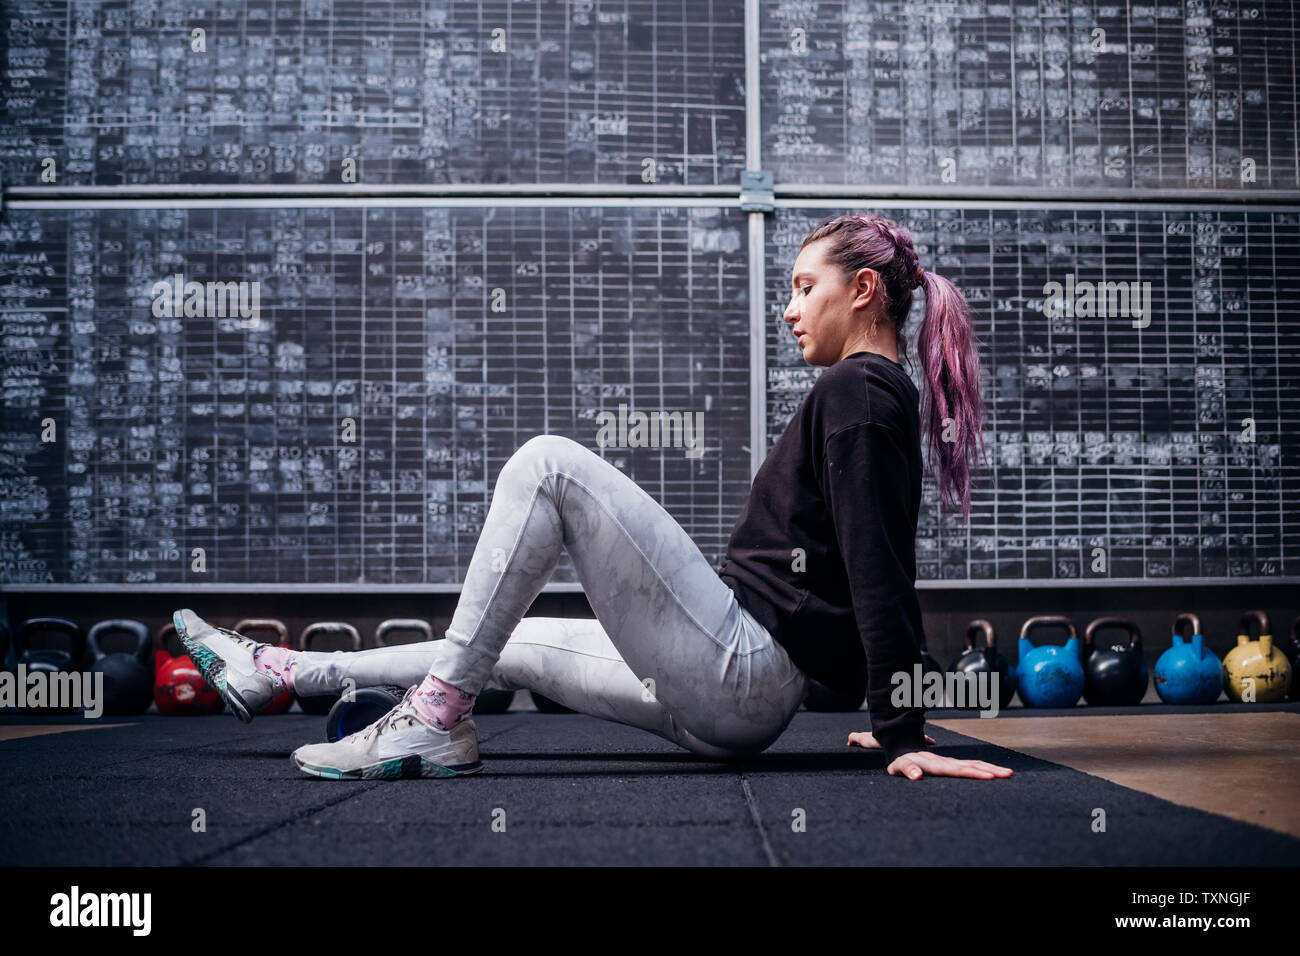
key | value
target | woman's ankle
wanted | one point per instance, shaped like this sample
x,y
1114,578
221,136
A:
x,y
441,704
276,662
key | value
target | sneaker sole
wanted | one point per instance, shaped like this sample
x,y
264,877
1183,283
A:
x,y
413,767
213,669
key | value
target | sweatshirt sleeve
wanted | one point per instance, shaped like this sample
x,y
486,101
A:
x,y
864,482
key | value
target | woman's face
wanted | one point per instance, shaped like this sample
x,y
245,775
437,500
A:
x,y
827,314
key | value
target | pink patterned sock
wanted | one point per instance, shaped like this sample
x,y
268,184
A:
x,y
276,662
441,704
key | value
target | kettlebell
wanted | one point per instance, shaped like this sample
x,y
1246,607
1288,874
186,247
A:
x,y
1049,675
49,661
282,701
1188,673
366,705
179,689
1115,674
311,634
1255,671
983,658
822,700
128,675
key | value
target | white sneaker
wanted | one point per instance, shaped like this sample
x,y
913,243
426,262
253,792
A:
x,y
400,745
225,659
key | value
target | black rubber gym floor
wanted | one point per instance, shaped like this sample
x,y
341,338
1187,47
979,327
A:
x,y
574,790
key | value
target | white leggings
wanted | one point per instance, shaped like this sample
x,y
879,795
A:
x,y
672,651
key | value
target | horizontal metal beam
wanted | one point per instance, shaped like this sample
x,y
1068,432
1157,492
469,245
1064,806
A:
x,y
565,587
1026,196
349,190
394,202
786,193
526,202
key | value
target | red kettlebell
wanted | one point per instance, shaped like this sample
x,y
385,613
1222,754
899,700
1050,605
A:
x,y
284,700
179,689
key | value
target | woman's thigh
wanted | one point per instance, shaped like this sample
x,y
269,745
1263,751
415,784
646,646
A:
x,y
573,661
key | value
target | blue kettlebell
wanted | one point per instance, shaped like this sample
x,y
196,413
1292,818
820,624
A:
x,y
358,710
1049,675
1189,673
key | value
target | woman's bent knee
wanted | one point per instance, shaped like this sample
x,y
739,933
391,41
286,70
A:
x,y
541,455
550,447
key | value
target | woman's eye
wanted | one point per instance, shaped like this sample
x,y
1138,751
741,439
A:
x,y
805,289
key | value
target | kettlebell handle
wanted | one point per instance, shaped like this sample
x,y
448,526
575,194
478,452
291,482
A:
x,y
1258,617
264,624
1045,620
1192,619
143,646
1134,635
160,639
402,624
312,631
23,634
977,625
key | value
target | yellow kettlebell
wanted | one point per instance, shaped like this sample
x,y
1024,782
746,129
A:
x,y
1255,671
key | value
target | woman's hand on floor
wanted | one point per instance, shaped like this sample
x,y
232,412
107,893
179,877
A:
x,y
917,764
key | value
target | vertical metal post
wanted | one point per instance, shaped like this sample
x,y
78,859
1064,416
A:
x,y
757,279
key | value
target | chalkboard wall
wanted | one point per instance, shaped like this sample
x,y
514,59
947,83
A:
x,y
344,421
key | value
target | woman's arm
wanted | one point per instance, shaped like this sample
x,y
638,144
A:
x,y
865,478
867,481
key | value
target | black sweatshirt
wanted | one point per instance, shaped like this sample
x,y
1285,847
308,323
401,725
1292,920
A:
x,y
824,554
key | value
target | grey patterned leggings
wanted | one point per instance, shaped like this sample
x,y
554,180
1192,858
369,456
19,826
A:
x,y
672,651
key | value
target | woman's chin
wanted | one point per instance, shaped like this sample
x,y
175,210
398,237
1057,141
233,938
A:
x,y
810,356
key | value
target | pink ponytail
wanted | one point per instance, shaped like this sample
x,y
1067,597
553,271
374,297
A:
x,y
950,404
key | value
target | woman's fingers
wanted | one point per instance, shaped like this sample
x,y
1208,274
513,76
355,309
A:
x,y
915,765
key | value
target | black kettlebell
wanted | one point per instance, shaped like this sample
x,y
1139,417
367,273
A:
x,y
367,705
50,661
1114,675
128,676
822,700
983,658
320,704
